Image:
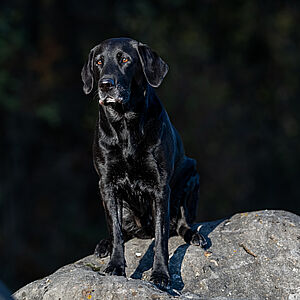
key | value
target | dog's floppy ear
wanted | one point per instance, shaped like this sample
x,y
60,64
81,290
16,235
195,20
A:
x,y
87,73
154,68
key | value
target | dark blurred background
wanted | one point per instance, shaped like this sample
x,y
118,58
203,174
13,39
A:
x,y
232,92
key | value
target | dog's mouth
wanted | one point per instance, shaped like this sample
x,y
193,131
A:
x,y
109,100
114,98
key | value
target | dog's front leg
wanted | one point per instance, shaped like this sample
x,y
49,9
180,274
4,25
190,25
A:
x,y
160,210
113,209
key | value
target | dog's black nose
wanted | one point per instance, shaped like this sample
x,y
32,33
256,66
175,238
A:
x,y
106,84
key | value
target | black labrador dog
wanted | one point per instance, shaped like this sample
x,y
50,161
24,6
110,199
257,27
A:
x,y
148,187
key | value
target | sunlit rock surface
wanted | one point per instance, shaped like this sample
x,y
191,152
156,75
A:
x,y
252,255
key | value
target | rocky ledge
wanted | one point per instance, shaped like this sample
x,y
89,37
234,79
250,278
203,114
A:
x,y
252,255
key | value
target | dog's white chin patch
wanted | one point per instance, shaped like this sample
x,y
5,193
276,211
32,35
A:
x,y
108,100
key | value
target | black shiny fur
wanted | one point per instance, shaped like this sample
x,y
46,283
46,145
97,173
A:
x,y
148,187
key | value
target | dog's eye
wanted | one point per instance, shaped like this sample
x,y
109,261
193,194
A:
x,y
125,60
100,61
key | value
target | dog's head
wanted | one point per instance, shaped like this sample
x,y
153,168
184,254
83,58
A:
x,y
120,65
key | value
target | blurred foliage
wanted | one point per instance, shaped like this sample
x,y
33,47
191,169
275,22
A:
x,y
232,92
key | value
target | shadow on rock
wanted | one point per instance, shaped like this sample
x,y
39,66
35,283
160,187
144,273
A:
x,y
145,263
175,267
175,263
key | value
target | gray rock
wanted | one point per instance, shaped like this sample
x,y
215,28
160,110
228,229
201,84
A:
x,y
250,256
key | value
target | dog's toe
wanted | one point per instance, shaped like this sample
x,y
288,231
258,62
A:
x,y
198,239
160,279
113,269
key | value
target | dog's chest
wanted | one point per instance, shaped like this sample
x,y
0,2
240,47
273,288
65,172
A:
x,y
128,162
137,170
133,169
136,157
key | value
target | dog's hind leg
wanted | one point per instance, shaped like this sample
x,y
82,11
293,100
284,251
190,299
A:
x,y
187,211
103,248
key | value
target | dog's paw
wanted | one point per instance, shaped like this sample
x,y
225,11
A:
x,y
198,239
160,279
115,269
103,248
